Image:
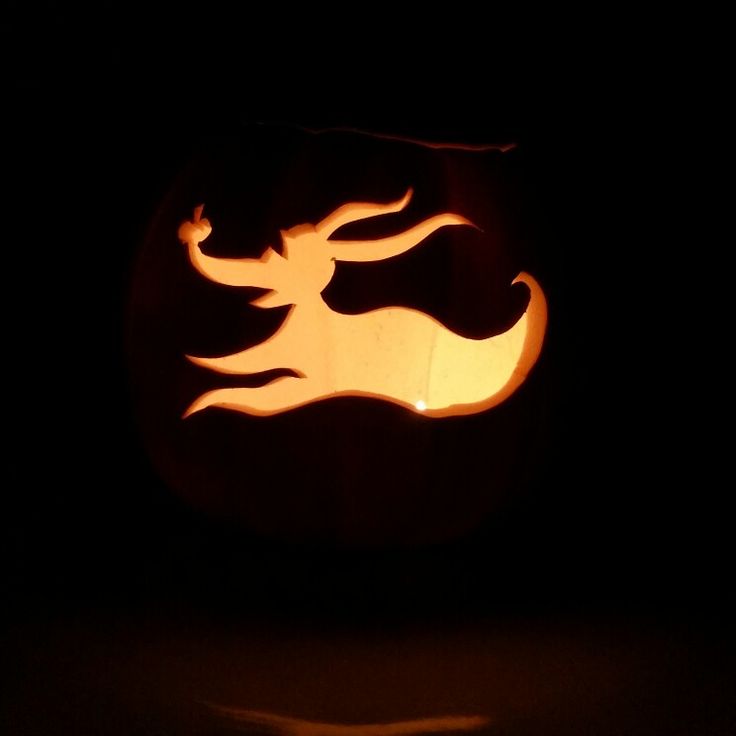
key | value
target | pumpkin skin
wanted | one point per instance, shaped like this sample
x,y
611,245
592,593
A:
x,y
351,469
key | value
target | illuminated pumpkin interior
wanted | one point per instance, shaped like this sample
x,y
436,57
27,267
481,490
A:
x,y
395,354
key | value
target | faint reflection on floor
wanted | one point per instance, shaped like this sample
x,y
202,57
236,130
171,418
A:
x,y
287,726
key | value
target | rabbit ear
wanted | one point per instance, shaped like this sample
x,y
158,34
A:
x,y
378,250
354,211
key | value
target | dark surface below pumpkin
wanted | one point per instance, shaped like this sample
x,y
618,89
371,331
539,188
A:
x,y
599,600
168,673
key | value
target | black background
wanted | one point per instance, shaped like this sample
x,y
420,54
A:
x,y
629,524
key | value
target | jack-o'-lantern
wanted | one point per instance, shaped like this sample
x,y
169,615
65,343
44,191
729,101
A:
x,y
331,335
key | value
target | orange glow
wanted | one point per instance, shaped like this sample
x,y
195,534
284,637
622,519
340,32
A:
x,y
286,726
395,354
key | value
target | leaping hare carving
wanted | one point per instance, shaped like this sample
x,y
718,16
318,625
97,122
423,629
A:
x,y
395,354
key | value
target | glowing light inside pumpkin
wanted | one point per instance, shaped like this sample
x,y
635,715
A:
x,y
393,354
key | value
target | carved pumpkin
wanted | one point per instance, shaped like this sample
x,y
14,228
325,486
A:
x,y
331,335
